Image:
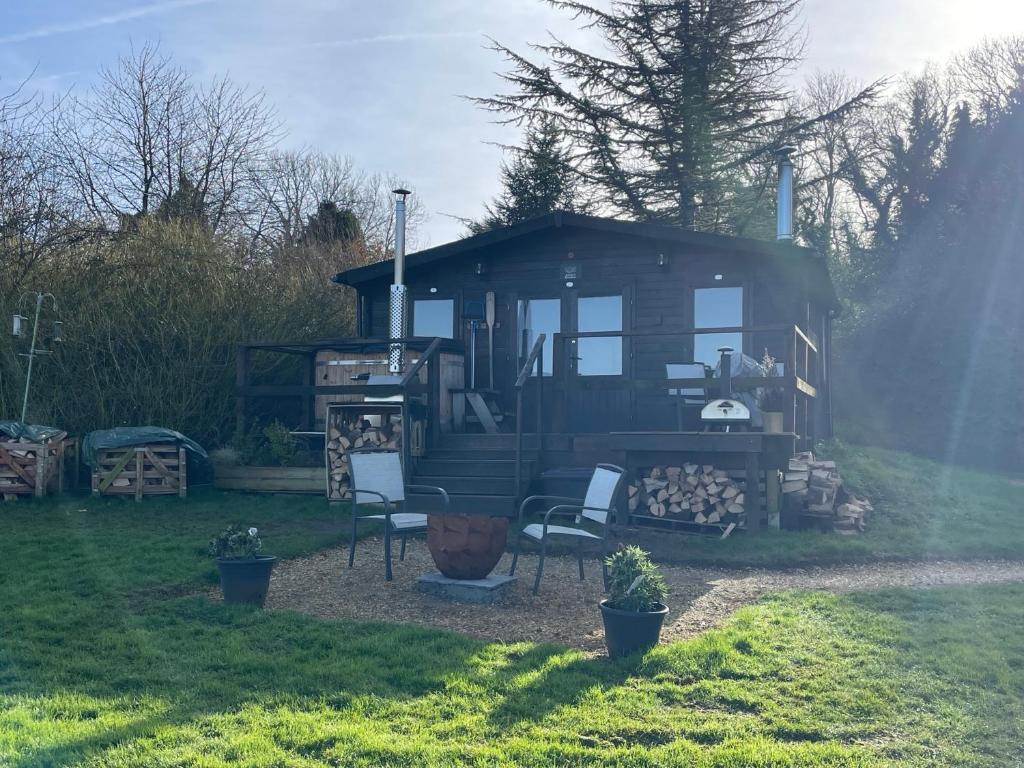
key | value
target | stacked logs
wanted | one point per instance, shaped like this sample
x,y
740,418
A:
x,y
358,432
816,488
698,493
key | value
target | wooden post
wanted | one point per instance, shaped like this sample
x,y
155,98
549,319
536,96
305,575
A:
x,y
308,401
753,492
434,379
540,403
140,465
241,380
773,491
519,443
41,465
182,473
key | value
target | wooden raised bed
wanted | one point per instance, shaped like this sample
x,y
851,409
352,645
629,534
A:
x,y
155,469
31,469
238,477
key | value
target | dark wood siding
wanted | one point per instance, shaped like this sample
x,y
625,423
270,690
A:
x,y
658,298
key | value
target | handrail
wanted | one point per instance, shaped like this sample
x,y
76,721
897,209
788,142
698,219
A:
x,y
524,372
429,352
537,357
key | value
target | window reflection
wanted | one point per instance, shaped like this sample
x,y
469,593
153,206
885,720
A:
x,y
433,317
536,316
599,356
716,308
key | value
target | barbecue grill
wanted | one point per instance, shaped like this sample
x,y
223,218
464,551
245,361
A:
x,y
726,413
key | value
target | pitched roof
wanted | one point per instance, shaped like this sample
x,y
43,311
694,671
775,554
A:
x,y
660,232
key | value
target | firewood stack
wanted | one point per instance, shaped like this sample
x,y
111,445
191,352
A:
x,y
692,492
817,487
358,432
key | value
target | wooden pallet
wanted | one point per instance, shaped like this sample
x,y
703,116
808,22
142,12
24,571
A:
x,y
143,470
31,469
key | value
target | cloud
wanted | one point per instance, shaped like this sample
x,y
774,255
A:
x,y
102,21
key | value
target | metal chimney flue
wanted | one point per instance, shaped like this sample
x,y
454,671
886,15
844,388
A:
x,y
784,194
397,324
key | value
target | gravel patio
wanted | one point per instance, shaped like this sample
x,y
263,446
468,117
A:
x,y
565,611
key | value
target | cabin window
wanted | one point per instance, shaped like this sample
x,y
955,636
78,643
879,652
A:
x,y
433,317
536,316
600,356
716,308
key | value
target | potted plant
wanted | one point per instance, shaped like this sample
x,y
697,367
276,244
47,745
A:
x,y
244,572
771,399
634,610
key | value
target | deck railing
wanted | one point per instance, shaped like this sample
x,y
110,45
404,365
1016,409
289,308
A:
x,y
409,386
536,356
798,352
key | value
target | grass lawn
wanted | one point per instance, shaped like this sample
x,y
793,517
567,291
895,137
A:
x,y
924,510
105,661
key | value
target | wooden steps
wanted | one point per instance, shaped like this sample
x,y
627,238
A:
x,y
478,472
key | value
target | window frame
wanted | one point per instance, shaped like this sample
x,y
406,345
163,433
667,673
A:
x,y
434,297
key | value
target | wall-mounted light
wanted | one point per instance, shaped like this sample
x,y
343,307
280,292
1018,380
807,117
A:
x,y
478,269
719,277
18,325
433,290
662,261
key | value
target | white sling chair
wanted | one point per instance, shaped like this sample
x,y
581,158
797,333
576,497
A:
x,y
598,507
376,477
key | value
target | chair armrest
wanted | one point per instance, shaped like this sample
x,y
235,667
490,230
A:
x,y
431,489
561,499
562,510
381,496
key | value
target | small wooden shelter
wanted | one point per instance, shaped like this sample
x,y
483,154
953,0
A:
x,y
593,321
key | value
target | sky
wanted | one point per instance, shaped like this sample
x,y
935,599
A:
x,y
383,81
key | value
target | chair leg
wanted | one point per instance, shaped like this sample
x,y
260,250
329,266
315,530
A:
x,y
352,543
387,553
579,557
604,563
401,553
540,568
515,555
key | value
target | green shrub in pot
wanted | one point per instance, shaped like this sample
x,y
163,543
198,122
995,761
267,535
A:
x,y
634,610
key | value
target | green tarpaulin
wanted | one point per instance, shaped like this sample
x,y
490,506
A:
x,y
124,437
37,433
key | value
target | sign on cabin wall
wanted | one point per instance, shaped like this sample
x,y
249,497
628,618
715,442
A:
x,y
570,271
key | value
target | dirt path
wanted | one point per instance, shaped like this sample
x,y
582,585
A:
x,y
565,610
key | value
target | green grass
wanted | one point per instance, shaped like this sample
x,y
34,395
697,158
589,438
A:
x,y
924,510
105,662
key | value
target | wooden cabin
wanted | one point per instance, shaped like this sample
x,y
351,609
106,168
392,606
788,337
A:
x,y
624,311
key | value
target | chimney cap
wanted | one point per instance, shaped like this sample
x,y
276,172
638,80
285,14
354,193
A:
x,y
402,192
783,152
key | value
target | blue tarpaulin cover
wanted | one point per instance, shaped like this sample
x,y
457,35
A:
x,y
37,433
125,437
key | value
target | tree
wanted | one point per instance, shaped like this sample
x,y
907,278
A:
x,y
539,180
678,121
331,224
125,147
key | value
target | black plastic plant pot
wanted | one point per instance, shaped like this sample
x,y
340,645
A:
x,y
627,632
245,580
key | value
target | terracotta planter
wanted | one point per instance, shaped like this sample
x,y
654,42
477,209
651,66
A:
x,y
466,546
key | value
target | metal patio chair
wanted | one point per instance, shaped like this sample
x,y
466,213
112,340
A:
x,y
598,507
376,477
